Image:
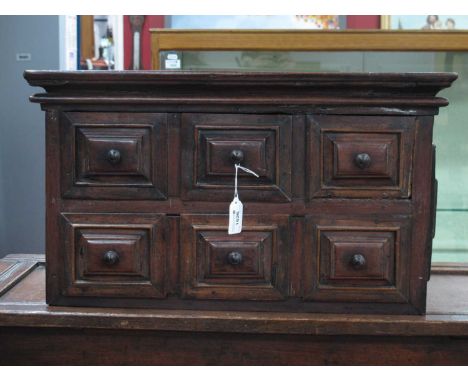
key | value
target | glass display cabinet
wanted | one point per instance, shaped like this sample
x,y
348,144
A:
x,y
354,51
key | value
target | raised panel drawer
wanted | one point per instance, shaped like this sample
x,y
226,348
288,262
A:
x,y
213,143
251,265
360,157
114,255
114,155
362,260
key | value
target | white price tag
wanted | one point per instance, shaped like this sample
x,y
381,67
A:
x,y
236,210
173,64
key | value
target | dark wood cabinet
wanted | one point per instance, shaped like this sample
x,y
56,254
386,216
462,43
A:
x,y
140,174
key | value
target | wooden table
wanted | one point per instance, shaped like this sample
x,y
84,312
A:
x,y
32,332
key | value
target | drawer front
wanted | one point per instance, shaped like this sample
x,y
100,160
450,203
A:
x,y
251,265
365,260
365,156
213,143
113,255
114,156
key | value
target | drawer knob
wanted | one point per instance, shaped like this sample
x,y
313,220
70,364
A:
x,y
111,257
234,258
237,156
358,261
362,160
114,156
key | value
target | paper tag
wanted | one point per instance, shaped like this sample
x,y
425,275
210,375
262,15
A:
x,y
236,208
172,64
235,216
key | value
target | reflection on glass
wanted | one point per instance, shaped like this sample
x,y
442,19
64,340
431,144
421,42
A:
x,y
450,133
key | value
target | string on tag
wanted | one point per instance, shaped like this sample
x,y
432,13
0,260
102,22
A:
x,y
245,169
236,208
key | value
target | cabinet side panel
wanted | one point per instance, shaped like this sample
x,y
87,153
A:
x,y
422,177
54,267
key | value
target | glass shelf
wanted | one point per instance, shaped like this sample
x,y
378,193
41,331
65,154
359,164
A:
x,y
450,132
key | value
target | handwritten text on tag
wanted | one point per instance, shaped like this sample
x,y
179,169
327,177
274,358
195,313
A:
x,y
236,208
235,216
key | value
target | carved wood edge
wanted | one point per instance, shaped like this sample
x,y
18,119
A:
x,y
233,322
443,268
18,266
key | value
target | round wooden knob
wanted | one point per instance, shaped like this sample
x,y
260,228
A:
x,y
237,156
234,258
111,257
114,156
358,261
362,160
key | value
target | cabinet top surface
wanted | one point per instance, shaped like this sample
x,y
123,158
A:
x,y
188,88
46,77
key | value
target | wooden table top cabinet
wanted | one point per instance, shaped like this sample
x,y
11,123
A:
x,y
140,175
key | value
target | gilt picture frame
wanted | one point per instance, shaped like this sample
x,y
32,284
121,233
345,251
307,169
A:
x,y
424,22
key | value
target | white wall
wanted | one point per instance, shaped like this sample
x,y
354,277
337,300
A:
x,y
22,151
